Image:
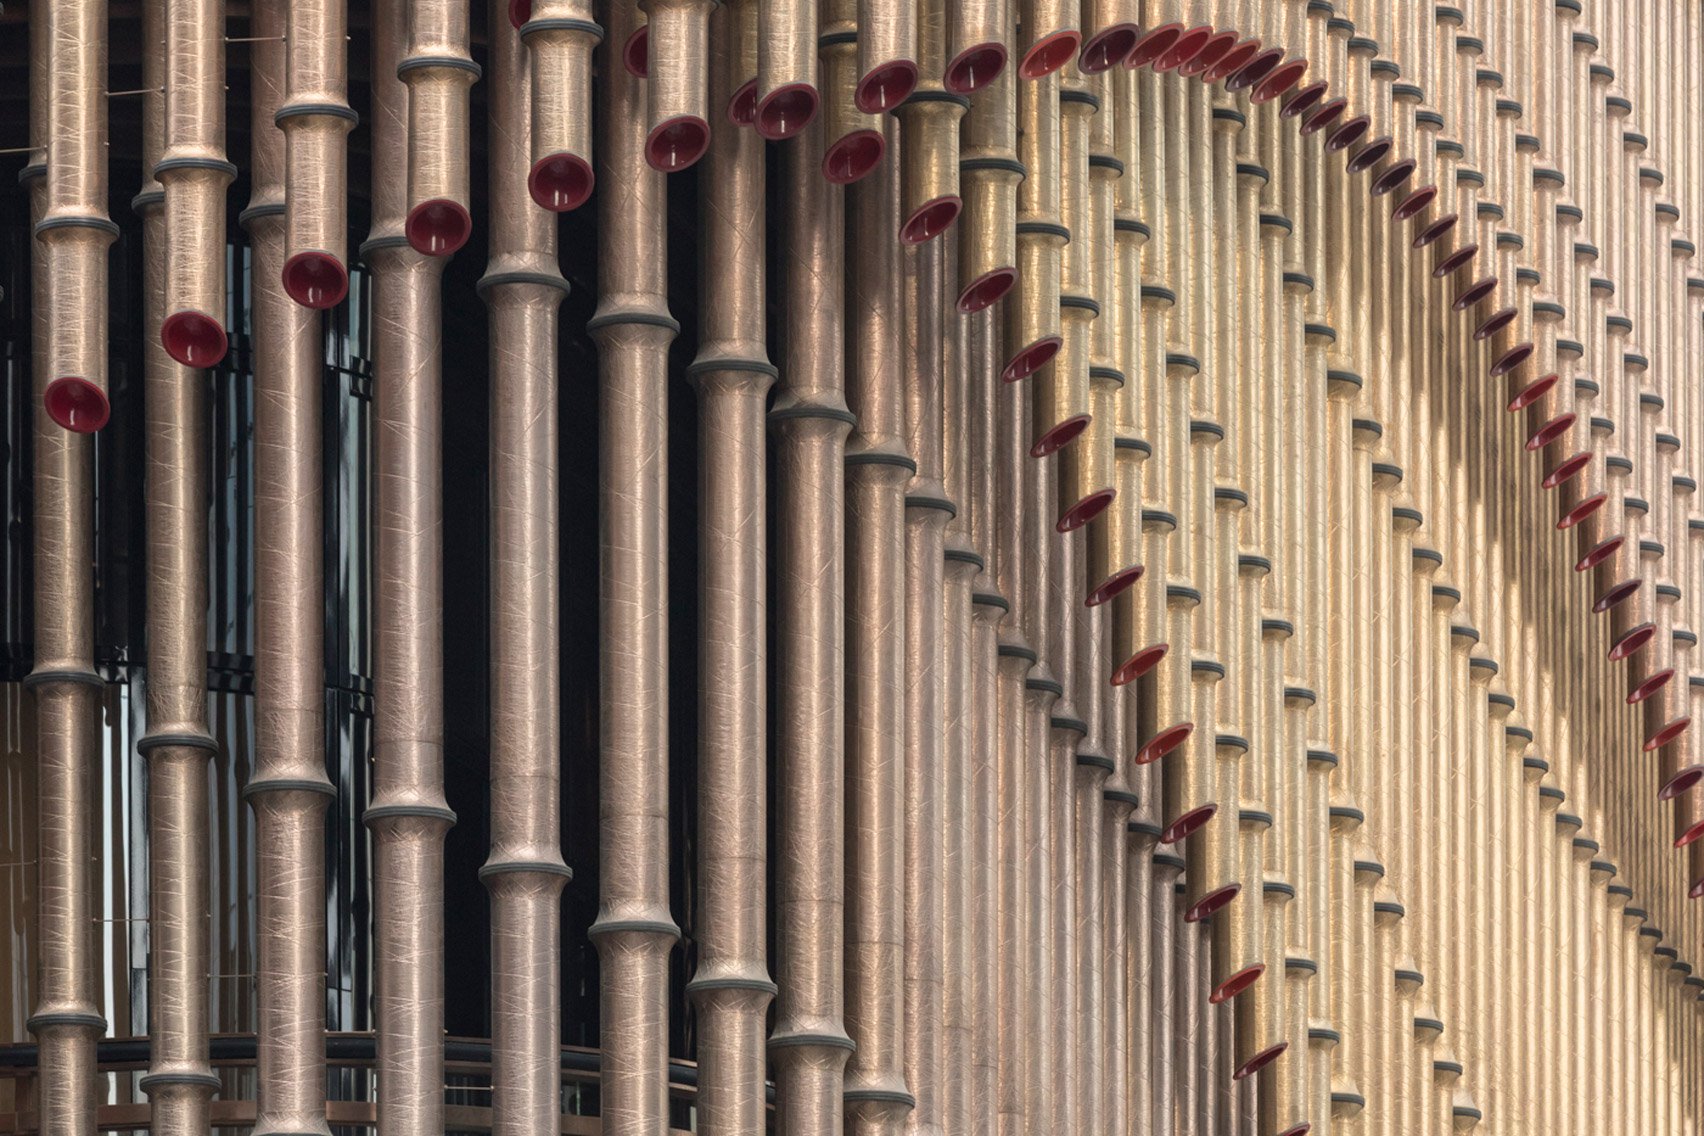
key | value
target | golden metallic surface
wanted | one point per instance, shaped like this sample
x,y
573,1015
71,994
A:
x,y
1208,646
408,814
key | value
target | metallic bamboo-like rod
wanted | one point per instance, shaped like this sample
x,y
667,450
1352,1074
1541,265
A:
x,y
634,932
195,175
316,120
787,97
926,513
524,871
887,54
1032,315
878,467
560,36
71,227
1048,36
809,1043
989,174
438,72
289,790
180,1080
977,33
929,160
678,67
408,814
854,139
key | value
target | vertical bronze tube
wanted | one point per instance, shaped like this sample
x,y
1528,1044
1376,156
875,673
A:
x,y
878,467
1048,36
731,988
787,96
560,36
810,1044
989,174
316,121
854,139
678,67
438,72
408,814
632,327
977,31
926,514
887,54
195,174
180,1080
929,161
288,790
1032,315
71,226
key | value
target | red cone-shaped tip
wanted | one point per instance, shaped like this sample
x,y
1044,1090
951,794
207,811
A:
x,y
1187,824
194,339
438,227
315,280
560,182
1237,983
1060,436
1085,510
742,104
1107,47
76,404
885,87
931,219
974,68
677,143
986,289
786,110
1049,54
636,53
1163,743
853,157
1211,902
1031,359
1153,44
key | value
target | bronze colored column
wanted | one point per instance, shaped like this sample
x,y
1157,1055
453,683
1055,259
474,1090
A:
x,y
523,872
877,470
180,1081
560,36
316,120
289,790
810,1045
678,38
437,71
408,814
854,142
634,931
787,97
194,174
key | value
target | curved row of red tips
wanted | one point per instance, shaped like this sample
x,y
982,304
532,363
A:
x,y
1320,115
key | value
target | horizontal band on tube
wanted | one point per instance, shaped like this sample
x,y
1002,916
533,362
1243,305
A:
x,y
1122,797
1015,651
1094,760
309,110
169,165
167,1080
419,812
998,165
72,677
1070,725
635,319
1044,686
990,599
540,279
288,785
100,224
705,985
539,867
148,742
82,1021
448,62
920,501
819,1040
561,24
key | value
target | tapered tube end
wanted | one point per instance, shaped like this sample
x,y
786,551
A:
x,y
1049,53
438,227
560,182
853,156
1652,684
636,53
1031,359
1213,901
76,404
677,143
1260,1061
1566,469
931,219
1299,1130
1187,824
1229,67
1108,47
1060,435
974,68
1114,585
986,289
1134,668
315,279
885,87
1277,81
1237,983
786,110
1324,115
1085,510
1205,60
1152,45
1414,203
194,339
1687,778
1184,48
520,11
1304,100
1632,643
742,105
